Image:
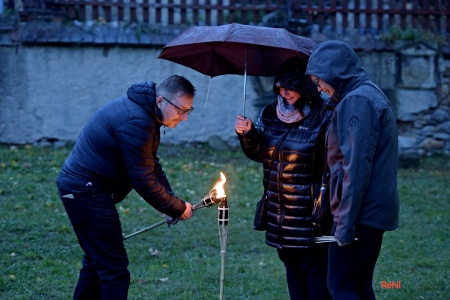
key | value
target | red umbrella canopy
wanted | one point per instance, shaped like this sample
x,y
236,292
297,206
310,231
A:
x,y
236,49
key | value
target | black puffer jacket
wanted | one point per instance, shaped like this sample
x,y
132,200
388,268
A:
x,y
287,152
117,151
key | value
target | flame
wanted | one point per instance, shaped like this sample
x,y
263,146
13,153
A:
x,y
220,191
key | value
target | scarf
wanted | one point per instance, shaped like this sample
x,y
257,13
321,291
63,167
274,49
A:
x,y
289,113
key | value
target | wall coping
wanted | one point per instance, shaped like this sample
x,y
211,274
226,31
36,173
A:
x,y
113,34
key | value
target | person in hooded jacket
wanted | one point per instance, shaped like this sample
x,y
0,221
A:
x,y
116,152
288,139
362,154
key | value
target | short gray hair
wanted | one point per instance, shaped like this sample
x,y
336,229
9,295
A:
x,y
175,85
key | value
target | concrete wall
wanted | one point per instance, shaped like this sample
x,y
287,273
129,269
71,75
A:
x,y
47,93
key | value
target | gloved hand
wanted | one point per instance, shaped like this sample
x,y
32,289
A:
x,y
172,221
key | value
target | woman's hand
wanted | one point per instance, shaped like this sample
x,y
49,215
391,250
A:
x,y
243,124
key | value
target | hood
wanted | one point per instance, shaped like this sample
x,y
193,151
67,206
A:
x,y
336,63
144,94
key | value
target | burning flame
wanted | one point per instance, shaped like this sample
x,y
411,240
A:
x,y
220,191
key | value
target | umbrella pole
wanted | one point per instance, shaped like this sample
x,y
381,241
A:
x,y
245,79
207,95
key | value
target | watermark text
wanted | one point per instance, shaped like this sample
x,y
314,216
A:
x,y
390,284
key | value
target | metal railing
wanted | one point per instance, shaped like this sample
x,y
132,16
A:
x,y
374,15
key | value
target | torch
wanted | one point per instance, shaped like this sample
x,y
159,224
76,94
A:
x,y
223,218
216,195
212,198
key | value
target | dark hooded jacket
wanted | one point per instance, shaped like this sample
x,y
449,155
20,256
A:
x,y
117,151
292,157
362,144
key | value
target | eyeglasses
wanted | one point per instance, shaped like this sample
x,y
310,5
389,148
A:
x,y
316,82
181,111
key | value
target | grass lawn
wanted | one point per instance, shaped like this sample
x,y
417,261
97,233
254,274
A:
x,y
40,257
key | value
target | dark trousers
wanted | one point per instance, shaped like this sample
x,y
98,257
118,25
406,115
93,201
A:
x,y
350,267
95,220
306,273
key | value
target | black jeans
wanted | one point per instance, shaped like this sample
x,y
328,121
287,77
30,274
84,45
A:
x,y
95,220
350,267
306,273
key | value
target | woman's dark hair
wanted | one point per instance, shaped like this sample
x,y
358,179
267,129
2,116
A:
x,y
291,76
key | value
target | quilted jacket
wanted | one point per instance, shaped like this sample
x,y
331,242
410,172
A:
x,y
292,157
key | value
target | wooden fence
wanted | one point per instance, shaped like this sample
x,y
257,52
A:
x,y
373,15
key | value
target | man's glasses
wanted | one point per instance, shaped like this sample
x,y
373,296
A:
x,y
181,111
316,82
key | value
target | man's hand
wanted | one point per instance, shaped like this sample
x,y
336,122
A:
x,y
187,214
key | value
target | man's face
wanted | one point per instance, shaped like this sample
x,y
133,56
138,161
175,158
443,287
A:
x,y
174,109
323,86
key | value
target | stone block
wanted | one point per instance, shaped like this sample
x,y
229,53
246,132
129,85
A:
x,y
406,142
444,127
418,66
430,143
442,136
440,115
413,102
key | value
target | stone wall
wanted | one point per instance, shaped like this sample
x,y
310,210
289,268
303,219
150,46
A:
x,y
422,100
48,92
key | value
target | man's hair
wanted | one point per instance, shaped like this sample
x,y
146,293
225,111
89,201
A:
x,y
175,85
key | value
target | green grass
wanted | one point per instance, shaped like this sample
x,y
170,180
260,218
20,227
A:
x,y
40,257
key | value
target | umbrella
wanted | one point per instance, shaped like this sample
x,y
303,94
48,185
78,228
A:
x,y
236,49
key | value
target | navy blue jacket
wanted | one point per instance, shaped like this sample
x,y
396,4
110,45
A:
x,y
362,144
117,151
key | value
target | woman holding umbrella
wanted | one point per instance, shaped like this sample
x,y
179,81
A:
x,y
288,139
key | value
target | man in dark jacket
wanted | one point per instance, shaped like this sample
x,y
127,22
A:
x,y
115,153
362,147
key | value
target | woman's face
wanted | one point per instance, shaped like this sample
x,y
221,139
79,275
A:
x,y
289,96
